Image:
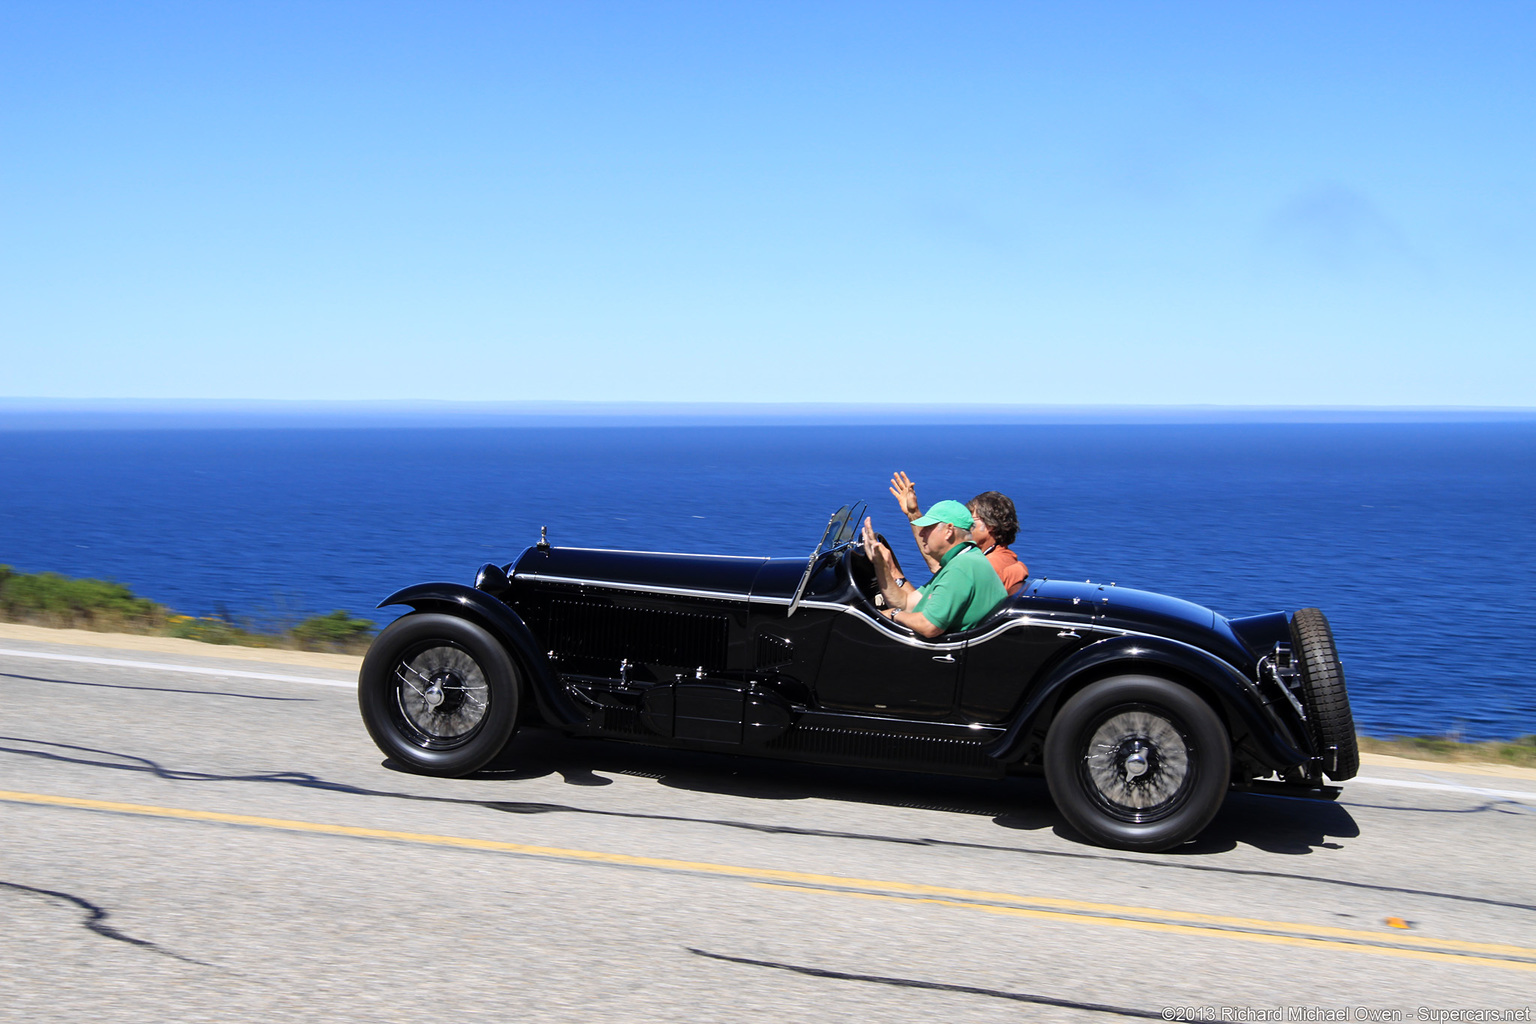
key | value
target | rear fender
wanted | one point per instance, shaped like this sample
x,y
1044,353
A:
x,y
555,706
1233,695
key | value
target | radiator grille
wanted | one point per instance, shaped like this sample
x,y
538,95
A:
x,y
586,629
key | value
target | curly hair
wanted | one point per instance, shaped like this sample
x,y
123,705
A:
x,y
997,511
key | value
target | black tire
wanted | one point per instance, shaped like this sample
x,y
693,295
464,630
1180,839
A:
x,y
438,694
1138,763
1329,718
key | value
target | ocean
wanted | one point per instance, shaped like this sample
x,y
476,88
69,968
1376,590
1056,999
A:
x,y
1417,539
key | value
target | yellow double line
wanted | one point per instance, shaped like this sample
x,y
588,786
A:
x,y
1242,929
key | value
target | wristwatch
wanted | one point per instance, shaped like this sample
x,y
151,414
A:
x,y
901,581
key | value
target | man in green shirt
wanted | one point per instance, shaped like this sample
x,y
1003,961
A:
x,y
966,588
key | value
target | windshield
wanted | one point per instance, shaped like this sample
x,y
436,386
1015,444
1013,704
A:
x,y
843,526
841,529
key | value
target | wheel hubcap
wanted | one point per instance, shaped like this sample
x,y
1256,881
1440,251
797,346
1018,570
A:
x,y
442,694
1138,765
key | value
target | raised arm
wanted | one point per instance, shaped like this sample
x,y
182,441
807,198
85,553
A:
x,y
905,492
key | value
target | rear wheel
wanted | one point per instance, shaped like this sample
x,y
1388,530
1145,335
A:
x,y
1138,763
1329,718
438,694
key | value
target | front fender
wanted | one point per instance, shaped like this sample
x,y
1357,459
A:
x,y
1235,692
554,704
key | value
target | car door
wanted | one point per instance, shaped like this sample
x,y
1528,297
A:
x,y
874,668
1001,664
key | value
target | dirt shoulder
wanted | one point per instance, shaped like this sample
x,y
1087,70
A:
x,y
1503,771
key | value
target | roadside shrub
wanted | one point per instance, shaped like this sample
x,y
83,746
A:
x,y
337,631
214,631
1520,751
51,599
56,600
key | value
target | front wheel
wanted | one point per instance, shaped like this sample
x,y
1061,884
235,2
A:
x,y
1138,763
438,694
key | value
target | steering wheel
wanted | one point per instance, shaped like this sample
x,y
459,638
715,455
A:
x,y
862,571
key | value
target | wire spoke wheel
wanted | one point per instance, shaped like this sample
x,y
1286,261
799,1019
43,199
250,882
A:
x,y
441,694
1138,763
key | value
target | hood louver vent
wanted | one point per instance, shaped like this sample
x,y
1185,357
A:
x,y
773,651
587,629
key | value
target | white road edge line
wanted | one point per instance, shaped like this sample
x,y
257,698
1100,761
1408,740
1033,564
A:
x,y
1507,794
189,669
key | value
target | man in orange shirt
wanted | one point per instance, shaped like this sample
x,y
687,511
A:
x,y
995,526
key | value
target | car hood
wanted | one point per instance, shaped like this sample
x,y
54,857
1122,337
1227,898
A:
x,y
710,574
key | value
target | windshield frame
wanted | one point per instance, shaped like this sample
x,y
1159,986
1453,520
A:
x,y
842,530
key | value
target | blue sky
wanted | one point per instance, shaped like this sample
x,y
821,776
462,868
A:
x,y
1229,203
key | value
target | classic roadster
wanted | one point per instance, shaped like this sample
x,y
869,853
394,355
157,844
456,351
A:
x,y
1142,711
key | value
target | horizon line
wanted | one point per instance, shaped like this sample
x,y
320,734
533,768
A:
x,y
30,413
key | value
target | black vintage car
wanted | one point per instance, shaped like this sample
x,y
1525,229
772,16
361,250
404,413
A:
x,y
1141,710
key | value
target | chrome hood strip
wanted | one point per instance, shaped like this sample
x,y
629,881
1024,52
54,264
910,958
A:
x,y
671,554
644,588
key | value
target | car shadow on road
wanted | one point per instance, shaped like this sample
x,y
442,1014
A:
x,y
540,754
1274,824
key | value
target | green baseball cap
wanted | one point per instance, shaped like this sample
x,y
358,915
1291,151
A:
x,y
951,512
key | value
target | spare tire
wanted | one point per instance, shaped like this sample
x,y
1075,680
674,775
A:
x,y
1329,719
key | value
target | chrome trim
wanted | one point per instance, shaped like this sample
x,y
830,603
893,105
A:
x,y
656,588
881,624
644,588
673,554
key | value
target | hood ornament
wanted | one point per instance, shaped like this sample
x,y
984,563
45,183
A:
x,y
543,544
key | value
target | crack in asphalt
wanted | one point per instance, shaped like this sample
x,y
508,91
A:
x,y
305,780
937,986
157,689
96,920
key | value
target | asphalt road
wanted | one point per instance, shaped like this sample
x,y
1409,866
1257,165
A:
x,y
193,838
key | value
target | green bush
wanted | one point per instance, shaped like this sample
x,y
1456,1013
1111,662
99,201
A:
x,y
50,599
214,631
59,600
1520,751
336,631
